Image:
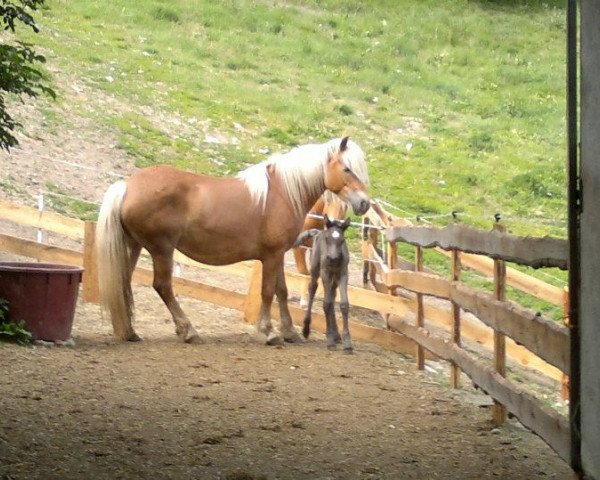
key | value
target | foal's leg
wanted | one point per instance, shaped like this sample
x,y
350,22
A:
x,y
286,326
163,277
332,334
312,289
345,307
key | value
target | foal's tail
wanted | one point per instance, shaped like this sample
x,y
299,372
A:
x,y
305,236
114,271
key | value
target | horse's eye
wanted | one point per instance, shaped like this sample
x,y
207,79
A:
x,y
346,169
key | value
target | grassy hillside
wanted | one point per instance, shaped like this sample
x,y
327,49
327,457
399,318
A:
x,y
459,104
476,88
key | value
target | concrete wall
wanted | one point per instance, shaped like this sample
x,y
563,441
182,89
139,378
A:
x,y
590,238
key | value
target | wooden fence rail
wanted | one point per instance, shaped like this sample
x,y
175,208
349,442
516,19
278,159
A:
x,y
534,252
514,278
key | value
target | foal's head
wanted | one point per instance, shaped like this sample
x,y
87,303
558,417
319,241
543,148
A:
x,y
333,246
340,179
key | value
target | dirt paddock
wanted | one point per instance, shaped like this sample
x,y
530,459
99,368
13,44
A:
x,y
234,408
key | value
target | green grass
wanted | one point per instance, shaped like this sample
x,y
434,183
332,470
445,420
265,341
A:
x,y
476,87
61,202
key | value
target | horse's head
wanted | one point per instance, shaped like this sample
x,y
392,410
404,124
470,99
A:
x,y
340,179
333,239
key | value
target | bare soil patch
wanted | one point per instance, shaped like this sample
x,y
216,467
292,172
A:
x,y
234,408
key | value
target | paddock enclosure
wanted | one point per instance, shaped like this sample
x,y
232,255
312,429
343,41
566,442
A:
x,y
235,408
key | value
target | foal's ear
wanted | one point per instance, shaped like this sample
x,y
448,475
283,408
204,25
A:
x,y
327,220
346,224
344,144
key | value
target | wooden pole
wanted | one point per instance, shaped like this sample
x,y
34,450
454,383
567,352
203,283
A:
x,y
90,289
392,256
455,276
254,296
392,262
564,390
498,410
420,309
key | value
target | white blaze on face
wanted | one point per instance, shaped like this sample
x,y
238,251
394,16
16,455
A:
x,y
335,234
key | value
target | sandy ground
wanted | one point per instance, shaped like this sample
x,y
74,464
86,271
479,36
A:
x,y
233,408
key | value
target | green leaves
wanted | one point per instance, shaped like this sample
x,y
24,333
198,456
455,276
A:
x,y
11,331
19,74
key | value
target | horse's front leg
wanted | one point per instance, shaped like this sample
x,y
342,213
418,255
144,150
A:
x,y
345,307
270,268
163,278
286,326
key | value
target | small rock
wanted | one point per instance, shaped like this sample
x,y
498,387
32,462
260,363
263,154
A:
x,y
65,343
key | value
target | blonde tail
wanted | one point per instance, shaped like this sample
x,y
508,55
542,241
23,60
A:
x,y
114,270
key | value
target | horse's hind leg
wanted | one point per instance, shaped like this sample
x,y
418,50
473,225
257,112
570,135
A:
x,y
163,278
134,254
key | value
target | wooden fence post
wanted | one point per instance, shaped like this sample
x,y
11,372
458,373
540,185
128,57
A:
x,y
455,276
498,410
90,290
392,262
420,311
392,255
564,390
365,252
254,296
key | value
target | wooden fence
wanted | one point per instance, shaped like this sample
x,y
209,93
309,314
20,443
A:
x,y
510,328
536,341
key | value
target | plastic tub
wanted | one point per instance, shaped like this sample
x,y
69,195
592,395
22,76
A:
x,y
44,295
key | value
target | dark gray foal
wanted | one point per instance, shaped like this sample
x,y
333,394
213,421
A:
x,y
329,260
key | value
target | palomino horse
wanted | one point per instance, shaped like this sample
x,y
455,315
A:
x,y
329,260
217,221
331,205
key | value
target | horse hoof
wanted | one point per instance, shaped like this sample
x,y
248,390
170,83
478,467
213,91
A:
x,y
332,347
348,350
273,339
134,337
194,339
292,337
265,330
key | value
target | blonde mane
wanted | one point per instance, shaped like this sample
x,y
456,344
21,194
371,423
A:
x,y
302,172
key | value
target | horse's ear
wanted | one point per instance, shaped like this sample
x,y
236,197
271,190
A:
x,y
346,224
344,144
327,220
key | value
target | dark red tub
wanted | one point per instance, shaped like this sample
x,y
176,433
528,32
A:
x,y
44,295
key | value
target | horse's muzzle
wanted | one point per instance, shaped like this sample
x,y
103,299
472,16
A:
x,y
360,203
